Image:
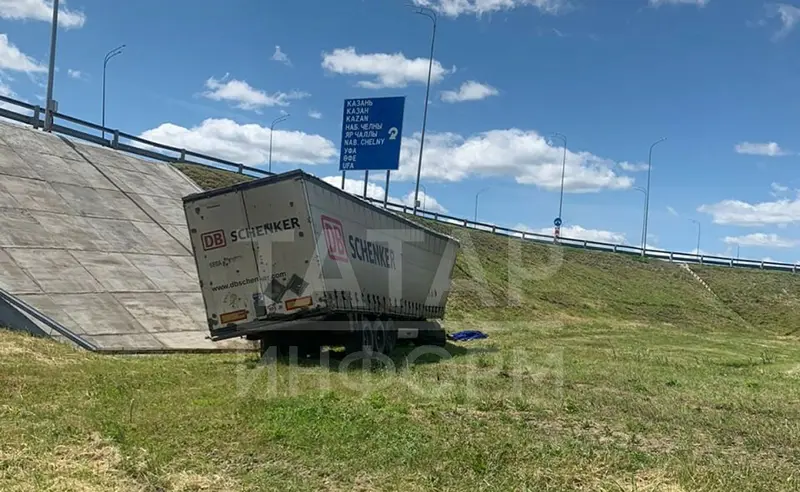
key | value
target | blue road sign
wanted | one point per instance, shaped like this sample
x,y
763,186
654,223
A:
x,y
371,133
557,222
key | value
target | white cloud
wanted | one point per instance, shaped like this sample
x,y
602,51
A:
x,y
356,187
769,149
40,10
578,232
454,8
248,144
389,70
280,56
737,212
778,189
315,114
469,91
672,211
524,155
11,58
762,240
698,3
75,74
789,15
633,167
245,96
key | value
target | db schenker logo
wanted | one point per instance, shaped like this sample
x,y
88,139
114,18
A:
x,y
334,237
213,240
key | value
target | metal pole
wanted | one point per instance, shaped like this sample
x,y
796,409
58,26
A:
x,y
366,180
271,131
563,172
386,192
644,196
647,198
48,114
343,173
737,251
111,54
476,203
698,235
432,16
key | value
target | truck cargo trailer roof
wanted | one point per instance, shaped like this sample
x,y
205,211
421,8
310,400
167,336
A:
x,y
299,173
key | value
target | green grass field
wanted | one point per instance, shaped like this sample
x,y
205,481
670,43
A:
x,y
602,372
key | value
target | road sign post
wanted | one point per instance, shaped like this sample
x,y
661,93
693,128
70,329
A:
x,y
372,130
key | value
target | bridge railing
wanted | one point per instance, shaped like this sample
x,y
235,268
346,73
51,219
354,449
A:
x,y
33,115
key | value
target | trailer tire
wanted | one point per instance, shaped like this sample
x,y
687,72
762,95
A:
x,y
432,334
391,336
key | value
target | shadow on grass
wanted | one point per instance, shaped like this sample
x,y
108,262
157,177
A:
x,y
403,356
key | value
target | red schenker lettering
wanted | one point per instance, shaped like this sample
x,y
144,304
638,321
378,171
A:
x,y
213,240
334,237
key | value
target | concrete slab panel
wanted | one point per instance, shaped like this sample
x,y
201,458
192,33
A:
x,y
55,270
165,273
187,265
55,168
163,210
114,272
46,306
191,303
181,233
13,278
104,158
162,238
98,314
157,313
133,181
35,140
108,204
71,232
34,194
126,342
12,164
123,237
179,185
19,228
6,200
186,340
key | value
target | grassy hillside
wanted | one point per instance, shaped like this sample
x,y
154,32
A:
x,y
602,373
208,178
768,300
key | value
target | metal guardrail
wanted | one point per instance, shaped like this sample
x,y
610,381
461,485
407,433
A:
x,y
156,151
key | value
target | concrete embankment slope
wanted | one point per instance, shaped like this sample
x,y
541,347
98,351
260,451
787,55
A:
x,y
96,241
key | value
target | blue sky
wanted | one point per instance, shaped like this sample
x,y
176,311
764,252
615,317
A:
x,y
717,78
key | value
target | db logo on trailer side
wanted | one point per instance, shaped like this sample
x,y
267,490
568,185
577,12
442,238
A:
x,y
213,240
334,238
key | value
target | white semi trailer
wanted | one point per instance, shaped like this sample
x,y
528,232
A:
x,y
290,260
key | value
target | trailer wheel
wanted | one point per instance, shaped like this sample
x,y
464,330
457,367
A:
x,y
379,336
391,336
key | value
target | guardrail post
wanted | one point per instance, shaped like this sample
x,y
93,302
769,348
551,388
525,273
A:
x,y
436,217
762,265
241,169
615,248
523,236
585,244
465,223
670,258
115,141
494,229
794,268
36,114
701,259
183,155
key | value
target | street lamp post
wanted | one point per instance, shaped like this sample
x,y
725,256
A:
x,y
644,196
111,54
698,235
48,111
424,198
476,202
271,131
563,171
647,196
429,13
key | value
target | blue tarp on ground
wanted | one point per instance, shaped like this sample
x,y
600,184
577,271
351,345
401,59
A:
x,y
467,335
